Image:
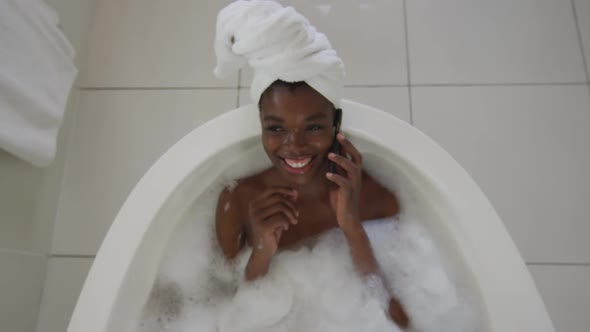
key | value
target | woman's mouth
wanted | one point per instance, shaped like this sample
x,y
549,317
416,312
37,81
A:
x,y
298,165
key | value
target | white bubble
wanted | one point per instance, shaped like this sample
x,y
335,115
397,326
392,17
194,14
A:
x,y
232,185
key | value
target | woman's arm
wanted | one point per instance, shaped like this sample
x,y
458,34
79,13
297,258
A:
x,y
258,264
361,250
231,233
268,214
345,201
365,263
228,225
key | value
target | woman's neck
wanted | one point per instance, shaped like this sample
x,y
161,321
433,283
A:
x,y
317,188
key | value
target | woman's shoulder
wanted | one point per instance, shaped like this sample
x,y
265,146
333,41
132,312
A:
x,y
230,213
371,186
377,200
243,189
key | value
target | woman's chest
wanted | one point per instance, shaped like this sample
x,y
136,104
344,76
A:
x,y
314,219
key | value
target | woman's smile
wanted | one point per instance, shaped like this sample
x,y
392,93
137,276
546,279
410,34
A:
x,y
298,165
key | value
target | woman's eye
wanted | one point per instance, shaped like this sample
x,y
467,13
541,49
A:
x,y
315,128
274,129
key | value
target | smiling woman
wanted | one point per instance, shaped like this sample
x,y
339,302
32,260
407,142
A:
x,y
297,84
298,198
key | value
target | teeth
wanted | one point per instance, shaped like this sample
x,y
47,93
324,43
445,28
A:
x,y
297,163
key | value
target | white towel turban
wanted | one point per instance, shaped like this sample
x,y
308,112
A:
x,y
279,44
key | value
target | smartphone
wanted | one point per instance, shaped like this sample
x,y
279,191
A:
x,y
335,148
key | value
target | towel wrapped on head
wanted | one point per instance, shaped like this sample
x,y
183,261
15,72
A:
x,y
279,44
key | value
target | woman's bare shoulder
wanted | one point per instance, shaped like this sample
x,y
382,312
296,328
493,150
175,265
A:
x,y
379,201
242,190
231,209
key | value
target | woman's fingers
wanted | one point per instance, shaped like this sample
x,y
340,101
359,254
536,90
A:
x,y
279,198
271,212
272,201
278,222
278,232
341,181
349,148
279,207
349,166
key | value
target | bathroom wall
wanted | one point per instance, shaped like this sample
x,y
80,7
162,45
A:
x,y
502,85
28,202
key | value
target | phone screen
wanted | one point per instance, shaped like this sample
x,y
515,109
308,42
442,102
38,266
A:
x,y
335,148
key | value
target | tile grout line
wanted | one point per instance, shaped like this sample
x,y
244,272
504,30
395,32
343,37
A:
x,y
409,76
345,86
118,88
20,252
238,89
580,41
375,85
498,84
66,166
71,256
557,264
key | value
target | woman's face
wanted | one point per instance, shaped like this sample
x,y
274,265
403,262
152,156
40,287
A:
x,y
297,131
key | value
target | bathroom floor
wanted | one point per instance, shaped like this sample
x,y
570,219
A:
x,y
502,85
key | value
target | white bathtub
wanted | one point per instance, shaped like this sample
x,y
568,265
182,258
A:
x,y
464,223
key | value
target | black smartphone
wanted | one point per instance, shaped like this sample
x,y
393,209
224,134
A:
x,y
335,148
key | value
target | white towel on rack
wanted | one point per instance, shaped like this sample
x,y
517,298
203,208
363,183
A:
x,y
36,74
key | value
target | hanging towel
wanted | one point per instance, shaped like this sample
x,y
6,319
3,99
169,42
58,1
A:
x,y
37,71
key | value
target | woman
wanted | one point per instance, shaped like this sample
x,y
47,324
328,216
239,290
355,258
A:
x,y
297,198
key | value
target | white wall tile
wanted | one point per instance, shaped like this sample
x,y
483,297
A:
x,y
479,41
583,14
527,147
19,185
394,101
152,43
49,189
244,97
117,137
75,18
369,36
566,295
21,284
29,195
65,278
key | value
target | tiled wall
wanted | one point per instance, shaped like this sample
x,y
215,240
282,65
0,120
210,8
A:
x,y
502,85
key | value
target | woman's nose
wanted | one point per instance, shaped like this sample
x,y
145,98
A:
x,y
295,138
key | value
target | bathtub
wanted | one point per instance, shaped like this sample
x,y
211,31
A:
x,y
464,223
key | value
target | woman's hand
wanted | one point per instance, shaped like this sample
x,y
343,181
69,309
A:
x,y
269,215
345,197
